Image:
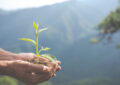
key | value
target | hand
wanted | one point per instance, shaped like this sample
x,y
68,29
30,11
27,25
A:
x,y
29,73
17,65
25,56
32,56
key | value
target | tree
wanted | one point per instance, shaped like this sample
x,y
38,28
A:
x,y
111,24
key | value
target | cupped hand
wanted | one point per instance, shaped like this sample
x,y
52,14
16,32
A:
x,y
31,57
21,67
31,74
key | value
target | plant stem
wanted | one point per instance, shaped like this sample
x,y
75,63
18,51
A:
x,y
37,45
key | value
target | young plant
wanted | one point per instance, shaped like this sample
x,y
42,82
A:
x,y
35,42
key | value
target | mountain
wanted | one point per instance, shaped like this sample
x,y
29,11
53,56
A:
x,y
2,11
68,21
103,5
70,26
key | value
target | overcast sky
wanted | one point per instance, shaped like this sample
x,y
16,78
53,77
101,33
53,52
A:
x,y
20,4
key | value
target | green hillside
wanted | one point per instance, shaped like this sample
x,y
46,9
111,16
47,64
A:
x,y
71,24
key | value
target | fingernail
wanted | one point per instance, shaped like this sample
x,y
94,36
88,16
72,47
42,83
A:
x,y
59,62
53,75
45,68
59,68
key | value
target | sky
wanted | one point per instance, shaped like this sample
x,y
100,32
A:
x,y
21,4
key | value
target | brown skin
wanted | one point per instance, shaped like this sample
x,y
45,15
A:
x,y
17,66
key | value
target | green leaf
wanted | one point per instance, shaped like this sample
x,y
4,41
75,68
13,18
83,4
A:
x,y
53,57
35,26
44,49
49,57
41,30
28,40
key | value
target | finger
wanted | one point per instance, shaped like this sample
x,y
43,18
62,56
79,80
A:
x,y
58,68
26,56
53,67
32,67
45,77
58,62
38,68
43,59
54,75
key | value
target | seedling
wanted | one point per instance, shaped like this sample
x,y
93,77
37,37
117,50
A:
x,y
35,42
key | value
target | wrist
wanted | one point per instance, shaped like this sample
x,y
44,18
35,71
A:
x,y
3,67
5,55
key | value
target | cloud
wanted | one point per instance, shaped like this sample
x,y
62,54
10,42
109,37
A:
x,y
20,4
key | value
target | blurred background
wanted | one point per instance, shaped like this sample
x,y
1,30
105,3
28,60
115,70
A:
x,y
83,35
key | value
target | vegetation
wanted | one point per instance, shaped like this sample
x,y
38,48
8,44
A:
x,y
95,81
46,83
94,40
7,81
118,45
87,81
70,26
48,56
111,24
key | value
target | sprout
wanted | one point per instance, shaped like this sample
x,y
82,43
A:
x,y
35,42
